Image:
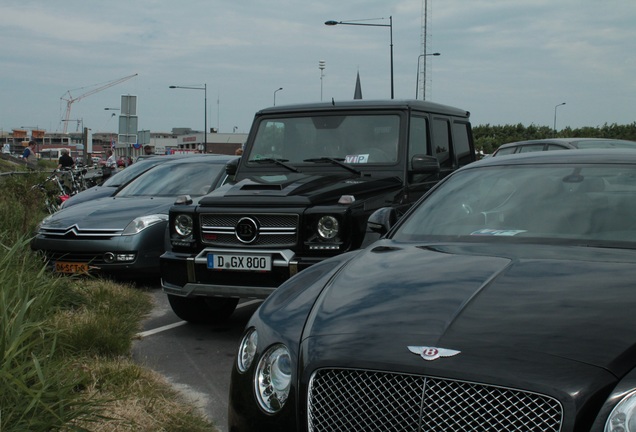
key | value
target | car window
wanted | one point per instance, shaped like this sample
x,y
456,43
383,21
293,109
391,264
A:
x,y
134,170
355,139
530,148
521,202
556,147
194,178
441,138
505,151
461,143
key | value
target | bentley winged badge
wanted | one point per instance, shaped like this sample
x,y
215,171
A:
x,y
432,353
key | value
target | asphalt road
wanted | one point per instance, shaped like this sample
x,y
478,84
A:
x,y
195,359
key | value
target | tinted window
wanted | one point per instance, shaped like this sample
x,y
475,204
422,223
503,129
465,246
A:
x,y
556,147
461,143
418,137
505,151
356,139
531,148
441,141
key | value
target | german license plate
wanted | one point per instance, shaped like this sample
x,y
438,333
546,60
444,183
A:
x,y
240,262
70,267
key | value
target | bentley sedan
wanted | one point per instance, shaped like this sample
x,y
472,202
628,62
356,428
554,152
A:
x,y
502,301
123,235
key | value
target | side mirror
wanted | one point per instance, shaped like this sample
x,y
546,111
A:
x,y
424,164
382,220
231,167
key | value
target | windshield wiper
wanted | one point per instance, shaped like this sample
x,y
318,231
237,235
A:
x,y
279,162
339,162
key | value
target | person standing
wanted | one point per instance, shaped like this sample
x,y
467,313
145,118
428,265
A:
x,y
65,161
111,164
148,150
29,153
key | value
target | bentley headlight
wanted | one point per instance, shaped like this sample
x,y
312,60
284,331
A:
x,y
623,416
143,222
328,227
273,379
183,225
247,350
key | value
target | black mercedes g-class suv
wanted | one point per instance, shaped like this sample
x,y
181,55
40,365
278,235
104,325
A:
x,y
308,179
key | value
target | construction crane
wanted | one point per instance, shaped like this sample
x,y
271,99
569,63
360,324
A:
x,y
70,99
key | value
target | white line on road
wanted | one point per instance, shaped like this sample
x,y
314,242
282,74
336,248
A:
x,y
180,323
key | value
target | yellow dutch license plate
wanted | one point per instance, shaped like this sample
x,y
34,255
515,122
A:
x,y
71,267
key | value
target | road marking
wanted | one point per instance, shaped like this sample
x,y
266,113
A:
x,y
160,329
180,323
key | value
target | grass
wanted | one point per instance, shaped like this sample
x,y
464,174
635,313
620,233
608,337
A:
x,y
65,342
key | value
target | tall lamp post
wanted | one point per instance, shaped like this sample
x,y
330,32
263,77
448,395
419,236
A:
x,y
358,23
205,110
277,90
321,66
417,82
555,112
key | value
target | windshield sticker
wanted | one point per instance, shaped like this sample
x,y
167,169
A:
x,y
496,232
361,158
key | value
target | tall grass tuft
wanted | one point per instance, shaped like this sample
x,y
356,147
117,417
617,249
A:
x,y
65,342
36,391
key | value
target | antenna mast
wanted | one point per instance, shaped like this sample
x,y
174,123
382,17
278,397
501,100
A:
x,y
422,57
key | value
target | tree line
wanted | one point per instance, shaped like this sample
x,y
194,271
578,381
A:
x,y
489,137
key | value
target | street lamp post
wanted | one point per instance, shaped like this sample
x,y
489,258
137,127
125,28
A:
x,y
321,66
277,90
417,82
555,112
205,110
358,23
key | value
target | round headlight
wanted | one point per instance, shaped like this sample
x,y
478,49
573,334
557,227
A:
x,y
273,379
623,416
328,227
183,225
247,350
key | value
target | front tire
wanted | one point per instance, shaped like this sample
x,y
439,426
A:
x,y
201,310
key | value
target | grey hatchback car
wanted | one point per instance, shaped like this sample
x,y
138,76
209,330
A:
x,y
562,144
123,235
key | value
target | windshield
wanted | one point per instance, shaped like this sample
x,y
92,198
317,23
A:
x,y
174,179
520,202
354,139
129,173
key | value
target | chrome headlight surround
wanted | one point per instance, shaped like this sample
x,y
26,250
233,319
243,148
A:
x,y
623,416
183,225
272,380
328,227
247,350
141,223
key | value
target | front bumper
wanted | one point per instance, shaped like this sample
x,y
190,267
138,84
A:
x,y
188,275
144,248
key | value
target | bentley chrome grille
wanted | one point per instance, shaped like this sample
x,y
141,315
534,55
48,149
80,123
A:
x,y
272,229
360,400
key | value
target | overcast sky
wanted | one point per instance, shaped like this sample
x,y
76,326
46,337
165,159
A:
x,y
505,61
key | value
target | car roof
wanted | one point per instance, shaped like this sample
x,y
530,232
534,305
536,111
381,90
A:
x,y
367,105
565,141
587,156
198,157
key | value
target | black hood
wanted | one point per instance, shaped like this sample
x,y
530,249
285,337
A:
x,y
299,189
517,299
